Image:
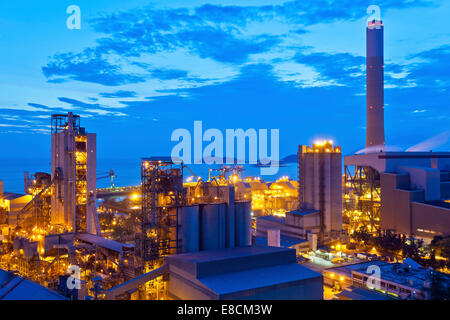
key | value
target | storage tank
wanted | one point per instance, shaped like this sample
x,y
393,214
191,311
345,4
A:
x,y
213,226
188,236
230,241
228,193
243,224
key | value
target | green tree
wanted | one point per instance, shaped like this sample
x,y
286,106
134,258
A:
x,y
440,287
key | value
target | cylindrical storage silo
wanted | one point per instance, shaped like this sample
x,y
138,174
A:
x,y
243,226
230,226
222,225
189,229
230,238
212,230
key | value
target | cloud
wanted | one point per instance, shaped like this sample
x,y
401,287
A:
x,y
90,65
223,46
118,94
89,107
429,72
39,107
78,104
219,33
29,107
338,69
163,73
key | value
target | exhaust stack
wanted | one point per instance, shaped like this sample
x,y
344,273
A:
x,y
375,86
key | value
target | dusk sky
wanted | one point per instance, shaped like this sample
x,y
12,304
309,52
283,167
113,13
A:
x,y
137,70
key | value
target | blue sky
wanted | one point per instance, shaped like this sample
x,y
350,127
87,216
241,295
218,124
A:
x,y
137,70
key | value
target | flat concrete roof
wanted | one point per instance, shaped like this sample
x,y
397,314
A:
x,y
441,204
225,254
213,262
284,241
362,294
272,218
258,278
303,212
243,271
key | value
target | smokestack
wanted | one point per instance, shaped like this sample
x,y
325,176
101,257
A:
x,y
375,85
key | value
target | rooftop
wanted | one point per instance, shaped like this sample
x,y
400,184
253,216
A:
x,y
400,273
103,242
273,219
353,293
389,161
225,254
238,272
303,212
13,287
11,195
441,204
258,278
284,241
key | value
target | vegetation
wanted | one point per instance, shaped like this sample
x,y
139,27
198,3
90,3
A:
x,y
389,243
125,228
439,289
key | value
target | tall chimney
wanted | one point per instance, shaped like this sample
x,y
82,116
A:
x,y
375,85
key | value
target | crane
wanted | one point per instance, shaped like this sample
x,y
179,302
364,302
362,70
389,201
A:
x,y
110,175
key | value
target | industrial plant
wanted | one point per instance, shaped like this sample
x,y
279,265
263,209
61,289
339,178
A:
x,y
230,236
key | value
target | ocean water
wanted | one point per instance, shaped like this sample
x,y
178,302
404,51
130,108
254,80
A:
x,y
127,171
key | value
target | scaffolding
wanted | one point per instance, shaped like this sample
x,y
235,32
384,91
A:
x,y
81,182
59,123
361,199
38,185
162,194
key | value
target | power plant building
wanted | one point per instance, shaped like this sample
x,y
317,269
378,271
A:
x,y
413,187
407,192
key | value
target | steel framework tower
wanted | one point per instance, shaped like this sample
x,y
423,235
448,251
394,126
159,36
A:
x,y
162,193
361,199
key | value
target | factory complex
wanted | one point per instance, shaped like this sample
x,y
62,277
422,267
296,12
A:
x,y
231,236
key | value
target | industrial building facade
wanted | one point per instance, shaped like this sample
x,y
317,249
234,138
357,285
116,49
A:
x,y
320,185
319,211
73,175
413,187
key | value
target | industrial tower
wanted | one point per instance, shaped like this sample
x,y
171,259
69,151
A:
x,y
73,166
375,84
320,185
